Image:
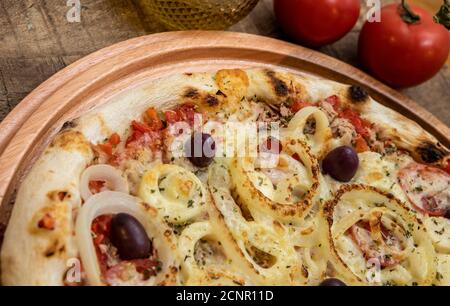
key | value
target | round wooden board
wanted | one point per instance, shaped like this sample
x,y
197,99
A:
x,y
105,73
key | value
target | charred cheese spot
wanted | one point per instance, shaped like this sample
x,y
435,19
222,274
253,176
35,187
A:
x,y
68,125
357,94
431,153
280,87
211,100
56,247
191,93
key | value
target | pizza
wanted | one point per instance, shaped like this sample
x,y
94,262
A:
x,y
234,177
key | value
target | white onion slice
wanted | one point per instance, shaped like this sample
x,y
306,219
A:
x,y
113,202
106,173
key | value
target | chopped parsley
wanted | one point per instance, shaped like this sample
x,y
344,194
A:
x,y
190,203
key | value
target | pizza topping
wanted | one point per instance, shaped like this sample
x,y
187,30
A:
x,y
129,237
184,112
126,271
153,120
335,102
145,136
298,105
361,144
427,188
345,123
98,178
100,231
332,282
113,230
47,222
341,163
377,242
108,146
114,139
118,241
200,149
361,125
96,186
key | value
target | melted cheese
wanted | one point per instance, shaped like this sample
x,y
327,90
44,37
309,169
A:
x,y
439,231
240,223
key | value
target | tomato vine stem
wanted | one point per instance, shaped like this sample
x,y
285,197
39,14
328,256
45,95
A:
x,y
407,13
443,15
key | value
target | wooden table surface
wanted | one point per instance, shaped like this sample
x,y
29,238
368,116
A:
x,y
36,41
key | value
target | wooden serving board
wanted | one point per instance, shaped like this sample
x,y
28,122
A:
x,y
98,77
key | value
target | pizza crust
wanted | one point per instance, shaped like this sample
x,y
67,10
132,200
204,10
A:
x,y
35,256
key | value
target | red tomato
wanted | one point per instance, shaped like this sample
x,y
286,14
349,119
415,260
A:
x,y
153,119
359,123
114,139
96,186
403,54
171,116
298,105
361,144
335,102
106,148
317,22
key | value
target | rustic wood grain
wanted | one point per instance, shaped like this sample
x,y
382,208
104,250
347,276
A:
x,y
36,41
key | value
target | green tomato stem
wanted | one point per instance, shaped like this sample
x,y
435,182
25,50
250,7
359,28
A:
x,y
407,13
443,15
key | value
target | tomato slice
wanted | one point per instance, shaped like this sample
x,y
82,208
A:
x,y
114,139
106,148
427,188
96,186
334,101
361,144
298,105
100,227
141,127
171,116
361,125
153,120
184,112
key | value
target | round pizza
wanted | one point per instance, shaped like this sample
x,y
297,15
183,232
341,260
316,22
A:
x,y
234,177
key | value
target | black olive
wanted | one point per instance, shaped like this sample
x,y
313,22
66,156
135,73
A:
x,y
129,237
341,163
332,282
200,149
